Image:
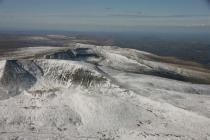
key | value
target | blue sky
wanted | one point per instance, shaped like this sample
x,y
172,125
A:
x,y
103,14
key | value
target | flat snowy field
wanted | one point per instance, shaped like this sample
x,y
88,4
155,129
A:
x,y
101,93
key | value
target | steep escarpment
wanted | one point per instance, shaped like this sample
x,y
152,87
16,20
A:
x,y
74,54
71,72
15,78
18,75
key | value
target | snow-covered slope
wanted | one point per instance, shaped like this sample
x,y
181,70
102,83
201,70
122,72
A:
x,y
103,93
140,62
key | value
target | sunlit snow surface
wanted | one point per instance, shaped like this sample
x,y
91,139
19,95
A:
x,y
101,93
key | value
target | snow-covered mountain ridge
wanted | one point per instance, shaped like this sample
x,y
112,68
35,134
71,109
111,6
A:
x,y
104,93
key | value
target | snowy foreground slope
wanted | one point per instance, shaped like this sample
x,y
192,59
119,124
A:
x,y
87,92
